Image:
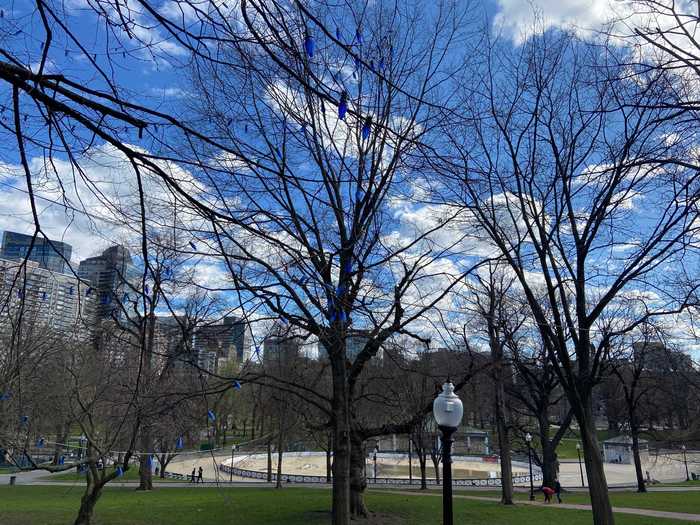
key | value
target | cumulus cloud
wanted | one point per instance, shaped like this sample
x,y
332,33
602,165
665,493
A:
x,y
520,19
92,209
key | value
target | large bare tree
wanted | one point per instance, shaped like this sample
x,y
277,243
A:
x,y
554,171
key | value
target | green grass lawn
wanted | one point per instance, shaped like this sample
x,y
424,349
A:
x,y
26,505
691,483
567,449
669,501
130,475
567,445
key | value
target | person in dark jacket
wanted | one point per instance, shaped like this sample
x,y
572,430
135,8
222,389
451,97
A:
x,y
199,476
557,489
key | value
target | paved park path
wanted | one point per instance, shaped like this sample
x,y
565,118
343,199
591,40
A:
x,y
681,516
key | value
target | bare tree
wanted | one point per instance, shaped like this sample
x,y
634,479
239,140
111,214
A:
x,y
321,131
558,160
501,319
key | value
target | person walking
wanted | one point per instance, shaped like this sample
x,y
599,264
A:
x,y
199,476
193,476
557,489
548,493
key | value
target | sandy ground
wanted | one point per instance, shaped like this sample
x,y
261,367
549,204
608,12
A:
x,y
387,468
662,468
184,463
667,467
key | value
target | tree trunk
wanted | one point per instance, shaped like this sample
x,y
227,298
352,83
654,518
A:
x,y
62,434
641,484
503,435
422,461
278,485
93,491
87,505
436,464
549,456
358,480
506,467
341,444
146,470
269,461
549,463
329,465
281,430
165,460
597,484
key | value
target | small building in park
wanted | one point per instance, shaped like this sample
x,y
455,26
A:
x,y
619,450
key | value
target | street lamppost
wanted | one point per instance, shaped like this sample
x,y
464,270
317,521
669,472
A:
x,y
233,453
685,460
580,466
376,449
410,466
83,445
528,440
447,410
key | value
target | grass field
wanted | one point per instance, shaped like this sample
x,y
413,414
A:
x,y
667,501
695,483
670,501
130,475
567,446
23,505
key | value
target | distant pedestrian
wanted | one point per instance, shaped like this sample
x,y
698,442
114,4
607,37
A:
x,y
557,489
199,476
193,476
548,493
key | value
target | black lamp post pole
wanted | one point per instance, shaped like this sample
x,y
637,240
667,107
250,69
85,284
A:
x,y
375,465
529,461
233,450
580,467
410,465
447,441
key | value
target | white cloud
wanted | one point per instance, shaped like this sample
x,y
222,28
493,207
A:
x,y
519,19
90,210
169,92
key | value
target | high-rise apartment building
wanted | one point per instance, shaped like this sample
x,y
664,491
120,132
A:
x,y
173,342
49,255
114,276
355,343
282,348
219,343
46,301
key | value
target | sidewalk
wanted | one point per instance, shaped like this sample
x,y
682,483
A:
x,y
681,516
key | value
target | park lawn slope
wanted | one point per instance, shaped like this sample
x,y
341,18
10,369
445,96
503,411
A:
x,y
681,501
27,505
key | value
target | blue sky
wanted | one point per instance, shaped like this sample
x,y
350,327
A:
x,y
156,75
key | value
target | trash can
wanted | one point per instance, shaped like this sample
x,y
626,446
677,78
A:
x,y
13,479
